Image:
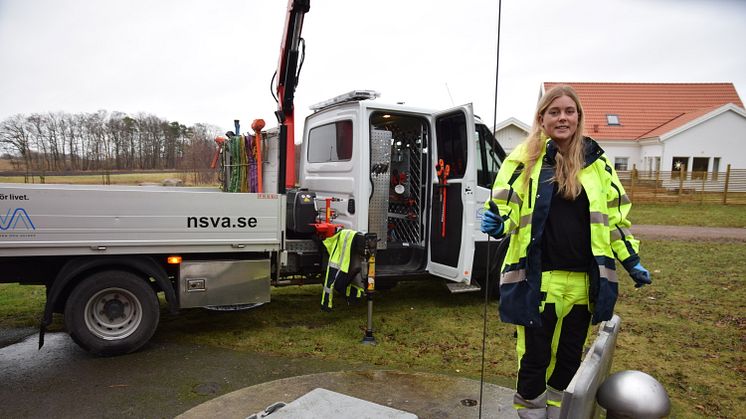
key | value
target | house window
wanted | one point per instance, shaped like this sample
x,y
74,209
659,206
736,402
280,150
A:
x,y
621,163
699,167
679,165
612,119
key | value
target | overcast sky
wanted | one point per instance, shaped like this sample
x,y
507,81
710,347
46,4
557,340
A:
x,y
211,61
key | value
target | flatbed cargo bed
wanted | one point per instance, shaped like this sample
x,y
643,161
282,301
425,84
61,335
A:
x,y
39,220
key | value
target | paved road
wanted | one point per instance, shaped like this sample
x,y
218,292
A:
x,y
161,380
164,380
661,232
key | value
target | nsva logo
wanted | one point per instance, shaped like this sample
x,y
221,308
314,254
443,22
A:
x,y
18,220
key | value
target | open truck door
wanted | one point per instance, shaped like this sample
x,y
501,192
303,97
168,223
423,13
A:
x,y
330,167
452,195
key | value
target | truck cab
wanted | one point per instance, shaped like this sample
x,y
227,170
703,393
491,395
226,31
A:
x,y
415,177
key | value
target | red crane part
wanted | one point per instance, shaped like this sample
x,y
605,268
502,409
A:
x,y
326,228
287,80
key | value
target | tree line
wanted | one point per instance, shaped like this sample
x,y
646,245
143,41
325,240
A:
x,y
105,141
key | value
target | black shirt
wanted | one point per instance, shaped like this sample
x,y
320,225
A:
x,y
566,241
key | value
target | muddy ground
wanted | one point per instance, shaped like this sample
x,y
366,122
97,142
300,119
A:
x,y
160,380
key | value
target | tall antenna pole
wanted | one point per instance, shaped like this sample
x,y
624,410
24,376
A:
x,y
489,256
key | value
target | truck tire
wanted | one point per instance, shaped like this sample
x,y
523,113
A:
x,y
112,313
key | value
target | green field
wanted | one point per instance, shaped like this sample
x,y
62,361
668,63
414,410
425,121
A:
x,y
688,329
703,215
99,179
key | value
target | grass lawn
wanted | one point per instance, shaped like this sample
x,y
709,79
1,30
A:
x,y
704,215
97,179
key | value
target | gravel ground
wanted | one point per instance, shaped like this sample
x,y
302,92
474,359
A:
x,y
661,232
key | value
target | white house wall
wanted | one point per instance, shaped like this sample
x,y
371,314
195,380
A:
x,y
628,149
722,136
649,151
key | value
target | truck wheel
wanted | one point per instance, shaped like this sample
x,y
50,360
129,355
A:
x,y
112,313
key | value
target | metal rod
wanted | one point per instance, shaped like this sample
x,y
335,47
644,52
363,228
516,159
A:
x,y
487,277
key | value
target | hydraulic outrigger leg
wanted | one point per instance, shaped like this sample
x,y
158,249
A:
x,y
371,241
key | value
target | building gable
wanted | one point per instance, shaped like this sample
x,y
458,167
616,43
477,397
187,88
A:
x,y
511,132
694,119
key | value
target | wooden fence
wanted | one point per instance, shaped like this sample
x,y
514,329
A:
x,y
727,188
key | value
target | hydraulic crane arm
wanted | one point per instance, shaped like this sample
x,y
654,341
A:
x,y
287,79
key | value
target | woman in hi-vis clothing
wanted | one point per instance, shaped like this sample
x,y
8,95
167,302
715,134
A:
x,y
565,211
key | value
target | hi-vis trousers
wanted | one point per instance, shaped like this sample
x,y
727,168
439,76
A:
x,y
549,356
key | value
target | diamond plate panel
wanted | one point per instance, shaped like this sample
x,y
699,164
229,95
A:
x,y
380,178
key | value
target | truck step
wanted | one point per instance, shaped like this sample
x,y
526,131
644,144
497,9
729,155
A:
x,y
459,287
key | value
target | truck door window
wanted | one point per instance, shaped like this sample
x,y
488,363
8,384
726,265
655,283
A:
x,y
452,145
330,142
490,157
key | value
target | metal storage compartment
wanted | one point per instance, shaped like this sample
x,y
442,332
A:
x,y
224,283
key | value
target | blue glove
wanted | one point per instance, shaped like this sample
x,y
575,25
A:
x,y
640,275
492,224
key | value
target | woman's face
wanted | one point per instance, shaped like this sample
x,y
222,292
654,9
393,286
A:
x,y
560,120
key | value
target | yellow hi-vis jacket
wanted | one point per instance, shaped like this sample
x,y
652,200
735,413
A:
x,y
525,207
338,273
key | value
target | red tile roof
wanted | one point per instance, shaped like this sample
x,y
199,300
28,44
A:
x,y
647,109
677,122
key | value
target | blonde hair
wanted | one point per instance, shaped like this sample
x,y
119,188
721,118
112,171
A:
x,y
569,163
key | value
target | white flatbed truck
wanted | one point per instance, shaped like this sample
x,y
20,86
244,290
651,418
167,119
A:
x,y
105,252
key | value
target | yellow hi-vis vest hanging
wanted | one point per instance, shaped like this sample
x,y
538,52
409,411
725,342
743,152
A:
x,y
339,276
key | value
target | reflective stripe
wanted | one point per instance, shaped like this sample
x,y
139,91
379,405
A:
x,y
512,277
615,202
599,218
609,274
502,194
523,222
511,228
616,235
334,265
327,290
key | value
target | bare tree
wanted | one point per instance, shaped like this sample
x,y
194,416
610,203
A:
x,y
200,152
15,136
103,141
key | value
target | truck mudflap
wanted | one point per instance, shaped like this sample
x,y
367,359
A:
x,y
76,267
